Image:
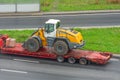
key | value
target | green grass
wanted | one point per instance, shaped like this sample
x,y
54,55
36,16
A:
x,y
97,39
105,39
19,35
69,5
77,5
47,5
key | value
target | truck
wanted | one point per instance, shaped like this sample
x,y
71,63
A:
x,y
56,43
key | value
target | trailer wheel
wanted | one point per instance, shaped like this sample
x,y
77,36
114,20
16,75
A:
x,y
71,60
60,59
83,61
32,45
61,47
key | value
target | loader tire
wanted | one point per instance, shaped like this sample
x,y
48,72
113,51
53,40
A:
x,y
32,45
61,47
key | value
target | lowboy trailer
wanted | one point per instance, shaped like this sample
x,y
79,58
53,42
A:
x,y
75,55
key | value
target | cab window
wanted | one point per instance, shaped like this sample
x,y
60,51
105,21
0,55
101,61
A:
x,y
49,28
58,25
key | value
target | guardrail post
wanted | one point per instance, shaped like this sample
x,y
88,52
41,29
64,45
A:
x,y
39,6
15,6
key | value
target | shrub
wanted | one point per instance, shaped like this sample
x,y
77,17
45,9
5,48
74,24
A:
x,y
97,2
113,1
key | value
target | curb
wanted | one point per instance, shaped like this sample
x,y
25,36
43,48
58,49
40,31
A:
x,y
59,13
116,56
21,14
81,12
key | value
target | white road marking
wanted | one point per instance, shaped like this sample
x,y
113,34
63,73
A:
x,y
26,60
114,59
14,71
85,27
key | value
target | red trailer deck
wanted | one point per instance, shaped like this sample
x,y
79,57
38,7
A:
x,y
72,56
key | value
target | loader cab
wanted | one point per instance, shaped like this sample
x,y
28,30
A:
x,y
50,27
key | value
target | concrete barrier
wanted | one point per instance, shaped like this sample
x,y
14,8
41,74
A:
x,y
19,8
7,7
28,7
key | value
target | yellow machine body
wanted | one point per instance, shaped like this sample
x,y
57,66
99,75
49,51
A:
x,y
72,35
62,40
40,34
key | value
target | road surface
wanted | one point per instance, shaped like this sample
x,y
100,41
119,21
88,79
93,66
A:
x,y
27,68
79,20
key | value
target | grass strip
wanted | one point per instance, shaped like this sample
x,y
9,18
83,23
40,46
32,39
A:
x,y
97,39
79,5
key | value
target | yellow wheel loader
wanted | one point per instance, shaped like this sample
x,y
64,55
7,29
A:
x,y
62,40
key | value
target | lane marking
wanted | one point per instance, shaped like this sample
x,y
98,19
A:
x,y
84,27
114,59
14,71
22,60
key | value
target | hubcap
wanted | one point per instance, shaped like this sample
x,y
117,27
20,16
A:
x,y
60,59
59,48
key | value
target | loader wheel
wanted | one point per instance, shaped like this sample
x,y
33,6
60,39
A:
x,y
83,61
61,47
32,45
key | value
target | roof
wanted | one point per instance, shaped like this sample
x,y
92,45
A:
x,y
53,21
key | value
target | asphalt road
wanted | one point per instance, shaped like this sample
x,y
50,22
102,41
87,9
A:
x,y
27,68
79,20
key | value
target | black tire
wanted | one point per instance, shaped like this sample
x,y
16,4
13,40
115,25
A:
x,y
83,61
60,59
61,47
71,60
32,45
